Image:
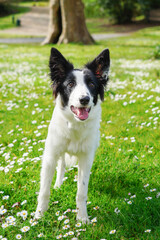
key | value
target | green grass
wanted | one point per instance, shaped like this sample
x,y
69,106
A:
x,y
35,3
128,156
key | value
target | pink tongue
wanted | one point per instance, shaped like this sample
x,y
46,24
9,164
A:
x,y
82,113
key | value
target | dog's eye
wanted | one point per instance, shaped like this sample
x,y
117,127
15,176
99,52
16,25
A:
x,y
91,85
71,84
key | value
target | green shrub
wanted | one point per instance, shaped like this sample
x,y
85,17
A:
x,y
122,10
7,8
93,9
156,53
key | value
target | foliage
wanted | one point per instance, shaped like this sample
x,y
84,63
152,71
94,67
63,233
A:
x,y
124,185
155,4
122,10
7,7
94,10
156,52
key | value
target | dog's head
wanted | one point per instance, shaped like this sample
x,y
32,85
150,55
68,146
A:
x,y
79,90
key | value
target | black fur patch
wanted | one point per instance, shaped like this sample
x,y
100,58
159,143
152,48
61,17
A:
x,y
59,69
92,83
100,68
66,88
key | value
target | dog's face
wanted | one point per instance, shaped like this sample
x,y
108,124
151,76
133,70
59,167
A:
x,y
79,89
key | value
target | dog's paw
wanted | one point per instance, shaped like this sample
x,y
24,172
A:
x,y
57,185
38,214
83,218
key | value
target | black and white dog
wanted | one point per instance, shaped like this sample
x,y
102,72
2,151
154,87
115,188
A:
x,y
73,133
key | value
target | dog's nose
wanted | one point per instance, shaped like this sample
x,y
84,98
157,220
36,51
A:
x,y
84,100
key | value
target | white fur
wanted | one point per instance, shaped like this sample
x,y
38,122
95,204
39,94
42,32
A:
x,y
68,140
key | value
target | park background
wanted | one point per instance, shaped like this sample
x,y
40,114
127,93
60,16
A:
x,y
124,189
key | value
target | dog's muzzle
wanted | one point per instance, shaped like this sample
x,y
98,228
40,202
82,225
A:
x,y
81,113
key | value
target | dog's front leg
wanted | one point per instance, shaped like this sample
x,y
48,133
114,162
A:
x,y
47,171
60,172
84,167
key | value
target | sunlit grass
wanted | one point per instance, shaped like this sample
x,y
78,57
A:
x,y
123,198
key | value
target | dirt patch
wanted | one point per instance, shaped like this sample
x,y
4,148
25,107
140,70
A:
x,y
129,28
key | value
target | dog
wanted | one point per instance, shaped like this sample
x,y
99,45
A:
x,y
73,133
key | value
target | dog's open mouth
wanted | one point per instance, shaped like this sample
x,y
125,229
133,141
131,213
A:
x,y
81,113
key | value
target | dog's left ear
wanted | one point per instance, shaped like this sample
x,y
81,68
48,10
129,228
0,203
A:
x,y
100,68
59,68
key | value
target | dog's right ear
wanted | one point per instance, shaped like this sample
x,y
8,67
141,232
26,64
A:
x,y
59,68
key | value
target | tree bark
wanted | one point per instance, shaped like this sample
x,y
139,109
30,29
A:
x,y
67,23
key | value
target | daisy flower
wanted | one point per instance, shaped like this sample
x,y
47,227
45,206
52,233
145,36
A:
x,y
18,236
12,224
15,204
78,225
134,196
65,178
59,236
3,211
116,210
60,218
67,211
70,233
148,198
25,229
34,223
57,213
25,201
5,225
158,195
10,219
5,197
66,221
74,210
94,220
153,190
40,235
32,214
129,202
65,235
146,185
96,208
112,232
66,227
148,231
24,214
31,221
18,214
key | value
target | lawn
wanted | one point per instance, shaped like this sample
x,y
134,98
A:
x,y
124,188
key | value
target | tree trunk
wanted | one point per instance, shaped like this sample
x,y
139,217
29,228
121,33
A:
x,y
67,23
55,27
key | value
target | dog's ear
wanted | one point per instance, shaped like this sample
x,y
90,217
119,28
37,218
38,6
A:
x,y
59,68
100,68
